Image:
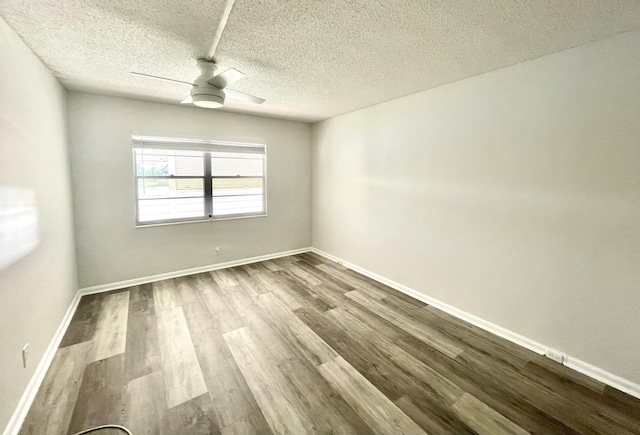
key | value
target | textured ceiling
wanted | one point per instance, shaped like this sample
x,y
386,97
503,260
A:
x,y
311,59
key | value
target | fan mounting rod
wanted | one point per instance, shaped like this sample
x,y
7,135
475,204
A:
x,y
221,25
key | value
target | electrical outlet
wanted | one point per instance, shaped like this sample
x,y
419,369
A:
x,y
218,250
555,355
25,353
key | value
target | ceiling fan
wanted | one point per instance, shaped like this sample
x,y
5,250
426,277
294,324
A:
x,y
209,90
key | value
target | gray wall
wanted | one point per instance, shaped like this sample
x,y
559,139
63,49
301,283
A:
x,y
110,249
37,288
514,196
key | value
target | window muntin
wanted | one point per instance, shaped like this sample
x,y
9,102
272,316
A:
x,y
177,182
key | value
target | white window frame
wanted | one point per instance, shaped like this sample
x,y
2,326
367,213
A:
x,y
206,146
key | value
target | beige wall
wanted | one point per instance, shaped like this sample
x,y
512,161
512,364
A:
x,y
110,249
514,196
37,287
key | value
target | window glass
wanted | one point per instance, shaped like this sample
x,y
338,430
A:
x,y
170,187
151,162
158,209
183,184
233,196
236,166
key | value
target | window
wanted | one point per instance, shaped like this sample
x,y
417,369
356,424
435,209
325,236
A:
x,y
181,180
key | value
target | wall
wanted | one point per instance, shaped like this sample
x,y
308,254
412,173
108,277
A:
x,y
110,249
37,286
514,196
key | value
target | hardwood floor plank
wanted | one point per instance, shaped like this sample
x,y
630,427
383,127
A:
x,y
193,417
372,363
358,282
210,293
54,403
303,276
372,406
305,342
142,354
310,258
224,279
110,337
221,313
574,414
253,424
628,417
325,278
100,395
428,395
305,295
432,418
279,404
182,376
501,397
142,292
271,266
231,397
483,419
165,296
316,393
83,323
144,404
442,388
464,335
433,338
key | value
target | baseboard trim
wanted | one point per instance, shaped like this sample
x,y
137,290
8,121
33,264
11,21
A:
x,y
603,376
576,364
185,272
38,376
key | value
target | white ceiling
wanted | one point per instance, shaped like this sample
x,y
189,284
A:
x,y
311,59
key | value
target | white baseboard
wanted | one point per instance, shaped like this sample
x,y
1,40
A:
x,y
603,376
185,272
38,376
585,368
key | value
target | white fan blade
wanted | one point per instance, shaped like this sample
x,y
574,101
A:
x,y
161,78
187,100
236,95
226,78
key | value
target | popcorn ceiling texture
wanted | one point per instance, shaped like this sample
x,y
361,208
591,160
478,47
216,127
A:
x,y
310,59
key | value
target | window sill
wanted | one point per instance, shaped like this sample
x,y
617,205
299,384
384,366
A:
x,y
197,221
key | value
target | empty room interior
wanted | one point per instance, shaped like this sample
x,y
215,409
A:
x,y
319,217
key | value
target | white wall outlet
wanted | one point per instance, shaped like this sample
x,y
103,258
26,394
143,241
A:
x,y
25,353
218,249
555,355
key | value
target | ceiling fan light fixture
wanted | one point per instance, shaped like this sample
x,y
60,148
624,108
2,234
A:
x,y
207,96
208,101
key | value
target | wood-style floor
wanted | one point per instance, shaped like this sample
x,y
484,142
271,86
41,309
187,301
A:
x,y
302,345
